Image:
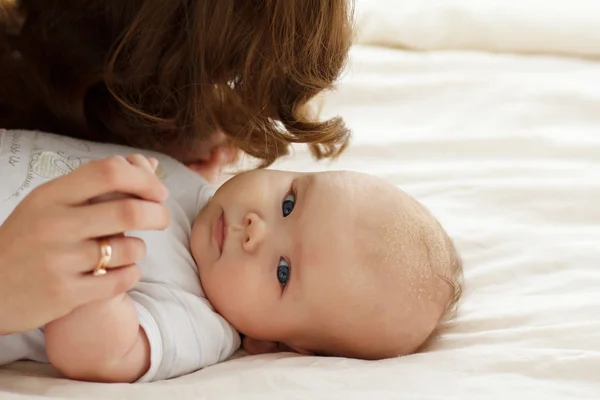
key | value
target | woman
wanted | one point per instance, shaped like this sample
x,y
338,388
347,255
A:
x,y
187,78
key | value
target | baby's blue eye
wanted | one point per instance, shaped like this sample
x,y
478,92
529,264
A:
x,y
283,272
288,204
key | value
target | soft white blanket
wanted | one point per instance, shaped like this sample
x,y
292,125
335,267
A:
x,y
505,150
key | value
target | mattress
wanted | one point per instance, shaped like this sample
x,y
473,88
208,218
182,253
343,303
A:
x,y
488,112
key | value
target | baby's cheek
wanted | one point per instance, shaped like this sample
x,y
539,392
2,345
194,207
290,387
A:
x,y
218,282
225,294
234,281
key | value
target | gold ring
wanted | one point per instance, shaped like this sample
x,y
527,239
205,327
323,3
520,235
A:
x,y
105,256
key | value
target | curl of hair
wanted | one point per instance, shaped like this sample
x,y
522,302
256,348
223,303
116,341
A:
x,y
160,74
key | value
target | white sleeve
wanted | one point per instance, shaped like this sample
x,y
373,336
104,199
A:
x,y
184,332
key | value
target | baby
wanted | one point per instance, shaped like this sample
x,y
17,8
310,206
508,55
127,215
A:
x,y
332,264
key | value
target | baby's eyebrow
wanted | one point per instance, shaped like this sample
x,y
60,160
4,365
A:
x,y
303,185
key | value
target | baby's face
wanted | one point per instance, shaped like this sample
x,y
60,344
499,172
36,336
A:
x,y
285,258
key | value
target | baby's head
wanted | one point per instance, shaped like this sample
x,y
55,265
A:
x,y
331,263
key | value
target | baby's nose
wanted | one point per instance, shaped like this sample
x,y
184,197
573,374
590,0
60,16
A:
x,y
255,232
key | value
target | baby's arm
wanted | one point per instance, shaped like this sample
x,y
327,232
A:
x,y
100,341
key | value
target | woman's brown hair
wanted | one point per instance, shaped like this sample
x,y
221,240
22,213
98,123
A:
x,y
154,73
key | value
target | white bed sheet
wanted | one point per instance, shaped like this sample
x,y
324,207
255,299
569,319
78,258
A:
x,y
505,150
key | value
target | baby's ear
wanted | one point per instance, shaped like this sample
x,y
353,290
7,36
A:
x,y
253,347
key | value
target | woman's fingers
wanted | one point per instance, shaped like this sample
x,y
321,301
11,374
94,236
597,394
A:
x,y
113,217
153,163
116,281
139,160
97,178
125,250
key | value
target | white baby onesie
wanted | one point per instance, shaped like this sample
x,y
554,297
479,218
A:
x,y
184,331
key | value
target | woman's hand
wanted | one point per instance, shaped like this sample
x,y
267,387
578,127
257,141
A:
x,y
48,245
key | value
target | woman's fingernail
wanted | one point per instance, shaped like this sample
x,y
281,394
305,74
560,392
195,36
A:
x,y
153,163
165,191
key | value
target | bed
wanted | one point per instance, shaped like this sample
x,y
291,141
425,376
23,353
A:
x,y
489,113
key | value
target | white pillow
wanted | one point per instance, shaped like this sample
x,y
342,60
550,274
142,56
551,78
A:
x,y
515,26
